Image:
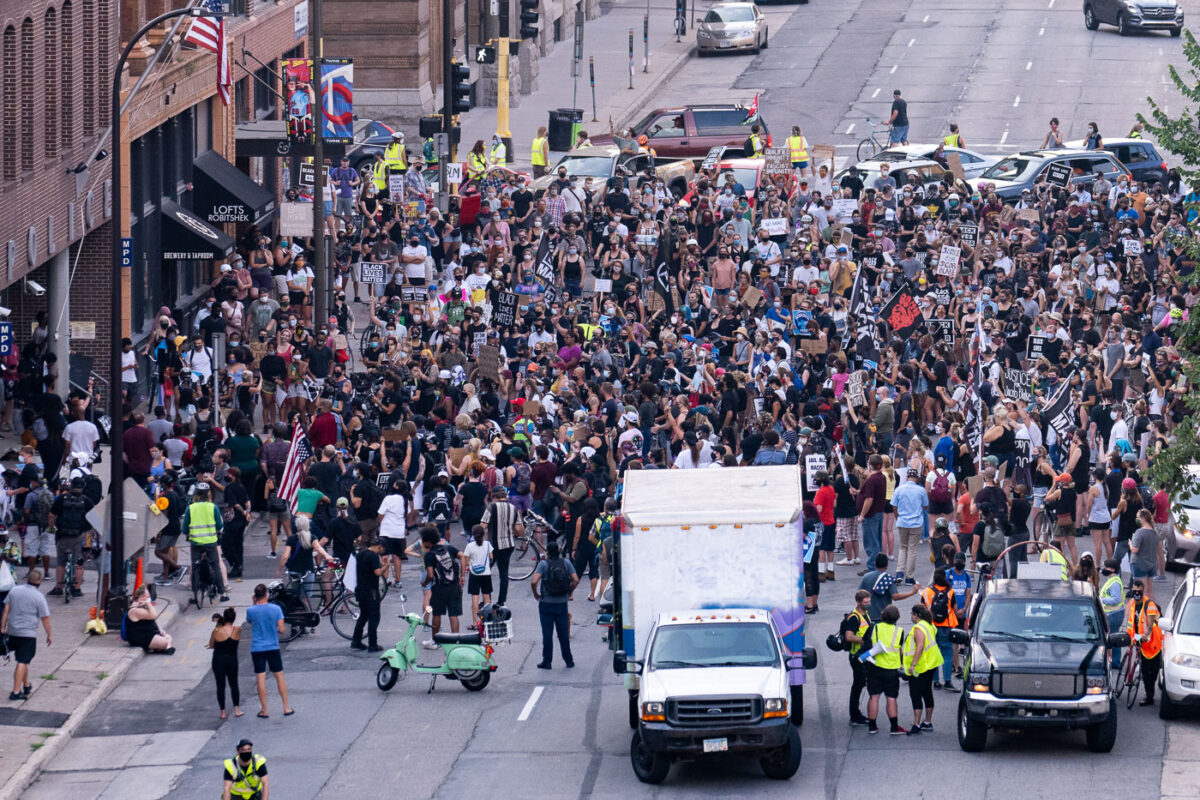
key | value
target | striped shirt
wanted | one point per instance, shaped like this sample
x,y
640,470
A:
x,y
507,518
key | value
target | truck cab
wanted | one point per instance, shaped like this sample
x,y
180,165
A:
x,y
1038,650
714,681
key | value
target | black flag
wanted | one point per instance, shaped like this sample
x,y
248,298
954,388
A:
x,y
662,272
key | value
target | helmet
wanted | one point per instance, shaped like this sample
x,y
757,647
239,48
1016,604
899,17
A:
x,y
806,219
397,136
202,486
643,139
1176,313
493,612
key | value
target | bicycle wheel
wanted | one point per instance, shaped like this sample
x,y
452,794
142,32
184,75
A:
x,y
525,557
1122,673
343,616
867,148
1135,682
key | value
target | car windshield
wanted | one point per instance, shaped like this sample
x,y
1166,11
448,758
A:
x,y
746,176
714,645
739,14
1013,168
1188,623
1057,620
587,166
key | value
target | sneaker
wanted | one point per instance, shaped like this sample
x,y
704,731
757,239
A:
x,y
1147,701
899,577
859,722
164,581
374,649
872,728
910,581
27,690
429,644
272,554
543,665
357,646
910,732
857,559
16,696
170,651
927,727
937,684
76,592
829,576
950,687
224,598
179,573
845,562
861,572
898,731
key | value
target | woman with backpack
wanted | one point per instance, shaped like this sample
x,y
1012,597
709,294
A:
x,y
519,477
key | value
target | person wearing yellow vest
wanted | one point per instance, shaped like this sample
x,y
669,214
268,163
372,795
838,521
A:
x,y
246,775
394,160
476,162
1052,556
756,142
854,627
202,524
920,662
798,149
954,139
939,599
539,156
497,153
1112,600
1141,623
883,669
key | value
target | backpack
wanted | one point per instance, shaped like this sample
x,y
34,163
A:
x,y
73,520
993,537
558,579
445,566
939,607
524,478
603,529
940,491
439,508
93,488
43,502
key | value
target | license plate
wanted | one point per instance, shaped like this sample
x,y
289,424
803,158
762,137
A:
x,y
726,44
716,745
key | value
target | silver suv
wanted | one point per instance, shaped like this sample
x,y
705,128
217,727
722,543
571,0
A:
x,y
1012,174
1134,15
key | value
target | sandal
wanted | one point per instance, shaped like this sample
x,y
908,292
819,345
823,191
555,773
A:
x,y
261,715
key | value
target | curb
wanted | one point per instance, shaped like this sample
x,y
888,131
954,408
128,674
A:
x,y
32,768
634,106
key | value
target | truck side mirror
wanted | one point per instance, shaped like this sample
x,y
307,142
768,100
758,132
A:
x,y
959,636
806,660
1118,640
622,665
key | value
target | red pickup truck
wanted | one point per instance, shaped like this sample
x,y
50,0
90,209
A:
x,y
691,131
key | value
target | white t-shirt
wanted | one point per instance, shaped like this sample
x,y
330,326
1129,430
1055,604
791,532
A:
x,y
394,510
129,367
82,436
415,269
479,556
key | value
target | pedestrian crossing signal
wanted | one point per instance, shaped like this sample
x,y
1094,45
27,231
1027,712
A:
x,y
485,54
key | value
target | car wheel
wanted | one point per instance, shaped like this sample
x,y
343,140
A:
x,y
766,39
1089,19
1103,735
784,762
1175,32
1122,25
972,735
648,766
1167,709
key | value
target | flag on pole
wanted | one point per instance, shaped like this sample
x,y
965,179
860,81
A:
x,y
293,469
208,33
752,111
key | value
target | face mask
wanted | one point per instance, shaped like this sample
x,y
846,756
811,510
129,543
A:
x,y
292,323
416,318
778,304
572,250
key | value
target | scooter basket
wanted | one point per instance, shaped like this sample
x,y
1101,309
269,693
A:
x,y
498,632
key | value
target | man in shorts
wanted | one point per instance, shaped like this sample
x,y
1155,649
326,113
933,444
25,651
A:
x,y
266,623
444,577
37,542
24,607
883,671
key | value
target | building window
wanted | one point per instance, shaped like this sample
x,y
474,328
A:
x,y
202,128
66,76
27,96
264,97
50,69
89,73
243,98
12,111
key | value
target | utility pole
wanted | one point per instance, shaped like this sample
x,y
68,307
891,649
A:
x,y
316,49
502,54
448,77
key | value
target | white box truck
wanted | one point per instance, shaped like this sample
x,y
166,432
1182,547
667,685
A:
x,y
708,615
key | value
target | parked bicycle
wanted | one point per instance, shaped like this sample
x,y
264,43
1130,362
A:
x,y
869,147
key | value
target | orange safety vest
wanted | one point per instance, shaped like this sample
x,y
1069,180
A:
x,y
1136,623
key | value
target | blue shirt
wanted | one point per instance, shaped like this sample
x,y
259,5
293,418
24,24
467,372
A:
x,y
960,582
910,501
264,627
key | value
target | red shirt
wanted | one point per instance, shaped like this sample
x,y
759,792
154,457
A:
x,y
825,499
542,475
138,441
1162,507
323,431
875,488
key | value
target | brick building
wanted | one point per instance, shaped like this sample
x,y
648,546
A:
x,y
178,140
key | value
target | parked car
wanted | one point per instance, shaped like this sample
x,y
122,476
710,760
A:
x,y
746,171
973,163
603,162
1139,156
1011,174
691,131
469,196
926,170
1130,16
732,26
371,138
1183,539
1180,624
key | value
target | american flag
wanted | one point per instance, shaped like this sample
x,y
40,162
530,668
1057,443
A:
x,y
293,469
209,33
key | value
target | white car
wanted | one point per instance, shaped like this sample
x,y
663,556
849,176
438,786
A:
x,y
1183,540
1180,624
973,163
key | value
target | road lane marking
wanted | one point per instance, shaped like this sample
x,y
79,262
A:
x,y
530,703
926,18
1028,65
1041,32
911,42
1004,137
892,71
1017,101
850,130
875,93
1051,4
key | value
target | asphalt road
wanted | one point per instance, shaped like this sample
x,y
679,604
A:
x,y
1000,69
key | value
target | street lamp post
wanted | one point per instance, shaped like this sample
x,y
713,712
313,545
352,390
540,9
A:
x,y
116,506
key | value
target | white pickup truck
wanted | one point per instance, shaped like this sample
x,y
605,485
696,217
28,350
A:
x,y
708,618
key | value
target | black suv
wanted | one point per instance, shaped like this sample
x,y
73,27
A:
x,y
1037,657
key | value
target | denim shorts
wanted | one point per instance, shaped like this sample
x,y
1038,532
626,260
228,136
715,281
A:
x,y
899,134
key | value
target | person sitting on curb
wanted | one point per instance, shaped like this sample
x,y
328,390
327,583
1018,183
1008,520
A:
x,y
141,625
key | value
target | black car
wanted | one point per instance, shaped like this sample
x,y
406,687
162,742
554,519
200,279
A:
x,y
1038,651
1129,16
1141,158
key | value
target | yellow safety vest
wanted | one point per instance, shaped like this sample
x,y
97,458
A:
x,y
497,153
931,656
1105,594
247,783
202,523
756,145
538,157
476,166
1054,557
890,657
863,624
952,140
394,159
799,149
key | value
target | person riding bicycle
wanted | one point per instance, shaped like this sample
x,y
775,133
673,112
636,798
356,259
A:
x,y
69,516
202,525
1141,623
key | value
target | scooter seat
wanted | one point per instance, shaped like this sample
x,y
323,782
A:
x,y
458,638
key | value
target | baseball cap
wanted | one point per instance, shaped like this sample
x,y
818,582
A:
x,y
1129,483
343,502
941,523
1064,478
960,558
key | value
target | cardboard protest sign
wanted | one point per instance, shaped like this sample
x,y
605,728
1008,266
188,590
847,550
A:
x,y
505,313
372,273
777,161
1035,348
1018,385
948,260
942,329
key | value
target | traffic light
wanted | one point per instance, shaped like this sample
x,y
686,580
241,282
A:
x,y
485,54
529,19
460,77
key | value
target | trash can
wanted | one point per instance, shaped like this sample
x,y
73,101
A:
x,y
564,124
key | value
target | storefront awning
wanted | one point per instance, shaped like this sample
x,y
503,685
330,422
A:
x,y
224,193
186,237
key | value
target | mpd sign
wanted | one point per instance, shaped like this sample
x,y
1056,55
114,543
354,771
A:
x,y
126,252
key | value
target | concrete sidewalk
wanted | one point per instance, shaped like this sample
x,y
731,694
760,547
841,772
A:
x,y
606,39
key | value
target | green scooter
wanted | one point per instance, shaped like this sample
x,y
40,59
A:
x,y
467,659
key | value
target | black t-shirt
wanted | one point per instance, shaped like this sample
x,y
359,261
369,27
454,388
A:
x,y
371,496
853,183
326,474
342,531
301,559
474,498
390,397
319,359
366,562
1018,515
900,106
844,506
